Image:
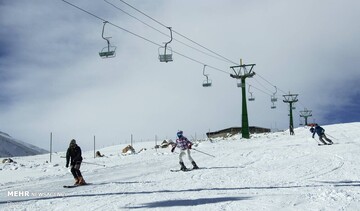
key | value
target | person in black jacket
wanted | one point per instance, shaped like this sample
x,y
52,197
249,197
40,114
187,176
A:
x,y
73,155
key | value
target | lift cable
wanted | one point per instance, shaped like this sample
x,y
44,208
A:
x,y
226,59
141,37
223,58
270,83
148,25
183,55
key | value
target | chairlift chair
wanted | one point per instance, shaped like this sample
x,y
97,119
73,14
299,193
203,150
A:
x,y
300,122
251,98
167,56
273,97
109,50
273,106
207,82
239,84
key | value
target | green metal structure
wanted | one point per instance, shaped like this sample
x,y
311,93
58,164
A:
x,y
291,98
242,74
305,114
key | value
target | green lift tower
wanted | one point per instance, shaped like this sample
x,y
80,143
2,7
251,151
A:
x,y
305,114
291,98
242,72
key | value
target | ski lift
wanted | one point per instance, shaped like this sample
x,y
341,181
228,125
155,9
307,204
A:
x,y
300,122
273,106
273,97
251,98
238,83
108,51
207,82
167,56
293,107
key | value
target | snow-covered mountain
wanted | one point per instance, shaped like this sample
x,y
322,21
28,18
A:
x,y
273,171
11,147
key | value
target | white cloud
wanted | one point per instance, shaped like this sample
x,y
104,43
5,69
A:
x,y
57,82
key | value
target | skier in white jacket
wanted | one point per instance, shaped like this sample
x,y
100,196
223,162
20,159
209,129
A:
x,y
184,145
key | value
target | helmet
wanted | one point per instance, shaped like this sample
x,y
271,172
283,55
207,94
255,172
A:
x,y
179,133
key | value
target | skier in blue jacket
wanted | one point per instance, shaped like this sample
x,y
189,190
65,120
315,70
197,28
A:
x,y
321,133
185,145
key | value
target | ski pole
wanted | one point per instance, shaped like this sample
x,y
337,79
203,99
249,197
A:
x,y
204,153
94,164
331,136
316,140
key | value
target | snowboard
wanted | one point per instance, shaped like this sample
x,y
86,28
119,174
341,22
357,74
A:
x,y
75,186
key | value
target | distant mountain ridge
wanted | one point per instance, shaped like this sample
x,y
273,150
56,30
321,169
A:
x,y
10,147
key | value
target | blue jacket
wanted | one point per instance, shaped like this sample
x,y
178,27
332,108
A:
x,y
318,130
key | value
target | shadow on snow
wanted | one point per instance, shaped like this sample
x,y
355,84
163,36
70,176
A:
x,y
189,201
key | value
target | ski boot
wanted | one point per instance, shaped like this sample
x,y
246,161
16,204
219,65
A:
x,y
194,165
76,181
183,167
81,181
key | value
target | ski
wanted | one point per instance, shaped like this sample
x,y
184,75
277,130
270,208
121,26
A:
x,y
74,186
325,144
70,186
178,170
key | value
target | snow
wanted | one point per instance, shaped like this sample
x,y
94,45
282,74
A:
x,y
273,171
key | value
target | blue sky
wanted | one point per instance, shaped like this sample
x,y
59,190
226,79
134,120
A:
x,y
52,79
349,93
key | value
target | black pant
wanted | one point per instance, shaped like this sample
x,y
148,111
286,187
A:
x,y
75,170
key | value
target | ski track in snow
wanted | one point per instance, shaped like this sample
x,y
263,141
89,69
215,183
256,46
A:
x,y
268,172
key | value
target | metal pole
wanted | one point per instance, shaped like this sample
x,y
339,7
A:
x,y
245,120
94,163
50,145
131,141
291,119
156,142
204,153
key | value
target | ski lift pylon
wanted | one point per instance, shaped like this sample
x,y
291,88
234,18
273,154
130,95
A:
x,y
108,51
207,82
167,56
251,98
